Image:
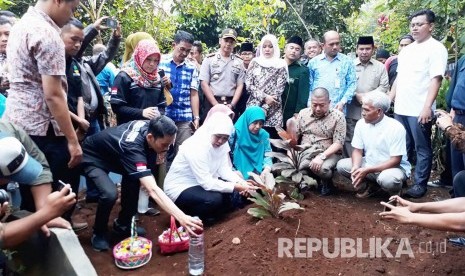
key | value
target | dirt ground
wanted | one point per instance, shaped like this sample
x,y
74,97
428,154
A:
x,y
337,216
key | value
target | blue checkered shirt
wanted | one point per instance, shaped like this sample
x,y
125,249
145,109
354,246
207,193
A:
x,y
184,77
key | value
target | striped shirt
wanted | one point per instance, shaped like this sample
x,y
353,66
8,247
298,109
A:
x,y
184,77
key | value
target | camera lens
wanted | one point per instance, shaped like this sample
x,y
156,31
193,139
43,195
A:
x,y
4,197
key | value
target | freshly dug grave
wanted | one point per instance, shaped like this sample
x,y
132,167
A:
x,y
336,216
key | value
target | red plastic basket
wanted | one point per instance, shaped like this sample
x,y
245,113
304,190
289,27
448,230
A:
x,y
172,246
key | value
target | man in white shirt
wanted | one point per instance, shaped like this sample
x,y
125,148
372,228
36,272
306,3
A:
x,y
421,68
382,139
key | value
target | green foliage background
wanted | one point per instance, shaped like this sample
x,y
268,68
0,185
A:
x,y
284,18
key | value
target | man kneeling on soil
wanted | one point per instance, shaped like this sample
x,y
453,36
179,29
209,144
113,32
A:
x,y
382,139
325,128
131,150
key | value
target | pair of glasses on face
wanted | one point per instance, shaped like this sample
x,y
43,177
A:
x,y
419,25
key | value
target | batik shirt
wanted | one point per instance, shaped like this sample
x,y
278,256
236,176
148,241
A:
x,y
34,49
323,131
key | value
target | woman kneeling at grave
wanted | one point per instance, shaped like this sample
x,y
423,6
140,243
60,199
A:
x,y
250,142
201,181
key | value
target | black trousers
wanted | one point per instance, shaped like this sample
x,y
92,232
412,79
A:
x,y
55,149
108,194
209,206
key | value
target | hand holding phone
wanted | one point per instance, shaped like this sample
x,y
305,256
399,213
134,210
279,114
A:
x,y
111,23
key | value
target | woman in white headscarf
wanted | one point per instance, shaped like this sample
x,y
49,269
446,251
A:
x,y
201,181
265,81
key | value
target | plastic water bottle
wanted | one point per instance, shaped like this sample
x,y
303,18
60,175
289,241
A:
x,y
143,203
196,253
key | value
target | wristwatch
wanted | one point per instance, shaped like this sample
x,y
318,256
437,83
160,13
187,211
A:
x,y
322,156
196,118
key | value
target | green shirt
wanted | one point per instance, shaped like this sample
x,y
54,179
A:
x,y
296,93
45,176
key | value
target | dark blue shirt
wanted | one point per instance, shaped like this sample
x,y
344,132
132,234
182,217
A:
x,y
456,97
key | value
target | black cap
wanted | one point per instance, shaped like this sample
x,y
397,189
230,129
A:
x,y
246,47
296,40
366,40
381,53
228,32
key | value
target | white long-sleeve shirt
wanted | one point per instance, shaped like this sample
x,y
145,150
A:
x,y
200,165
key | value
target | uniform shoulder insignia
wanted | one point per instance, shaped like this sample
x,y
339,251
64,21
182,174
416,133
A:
x,y
211,55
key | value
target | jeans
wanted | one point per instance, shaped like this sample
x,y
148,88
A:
x,y
419,140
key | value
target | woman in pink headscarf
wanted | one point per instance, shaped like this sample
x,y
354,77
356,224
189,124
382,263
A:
x,y
137,91
219,108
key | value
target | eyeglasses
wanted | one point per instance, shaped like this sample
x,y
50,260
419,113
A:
x,y
413,25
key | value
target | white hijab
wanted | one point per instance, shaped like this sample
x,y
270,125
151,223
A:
x,y
218,123
274,61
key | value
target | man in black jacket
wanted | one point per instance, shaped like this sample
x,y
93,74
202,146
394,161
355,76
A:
x,y
80,73
88,68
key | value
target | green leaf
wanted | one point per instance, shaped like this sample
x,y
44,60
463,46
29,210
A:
x,y
296,194
281,166
282,179
258,199
279,155
304,164
286,206
297,177
287,173
310,181
259,213
280,144
257,178
269,181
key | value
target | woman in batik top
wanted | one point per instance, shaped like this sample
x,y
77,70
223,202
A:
x,y
265,81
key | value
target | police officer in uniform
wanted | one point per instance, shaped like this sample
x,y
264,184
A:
x,y
222,74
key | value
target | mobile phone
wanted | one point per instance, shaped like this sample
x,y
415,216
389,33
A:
x,y
192,125
161,72
62,186
392,202
111,23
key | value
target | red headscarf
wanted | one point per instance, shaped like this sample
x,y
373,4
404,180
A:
x,y
133,67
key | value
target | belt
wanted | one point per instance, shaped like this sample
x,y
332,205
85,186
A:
x,y
223,99
459,111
